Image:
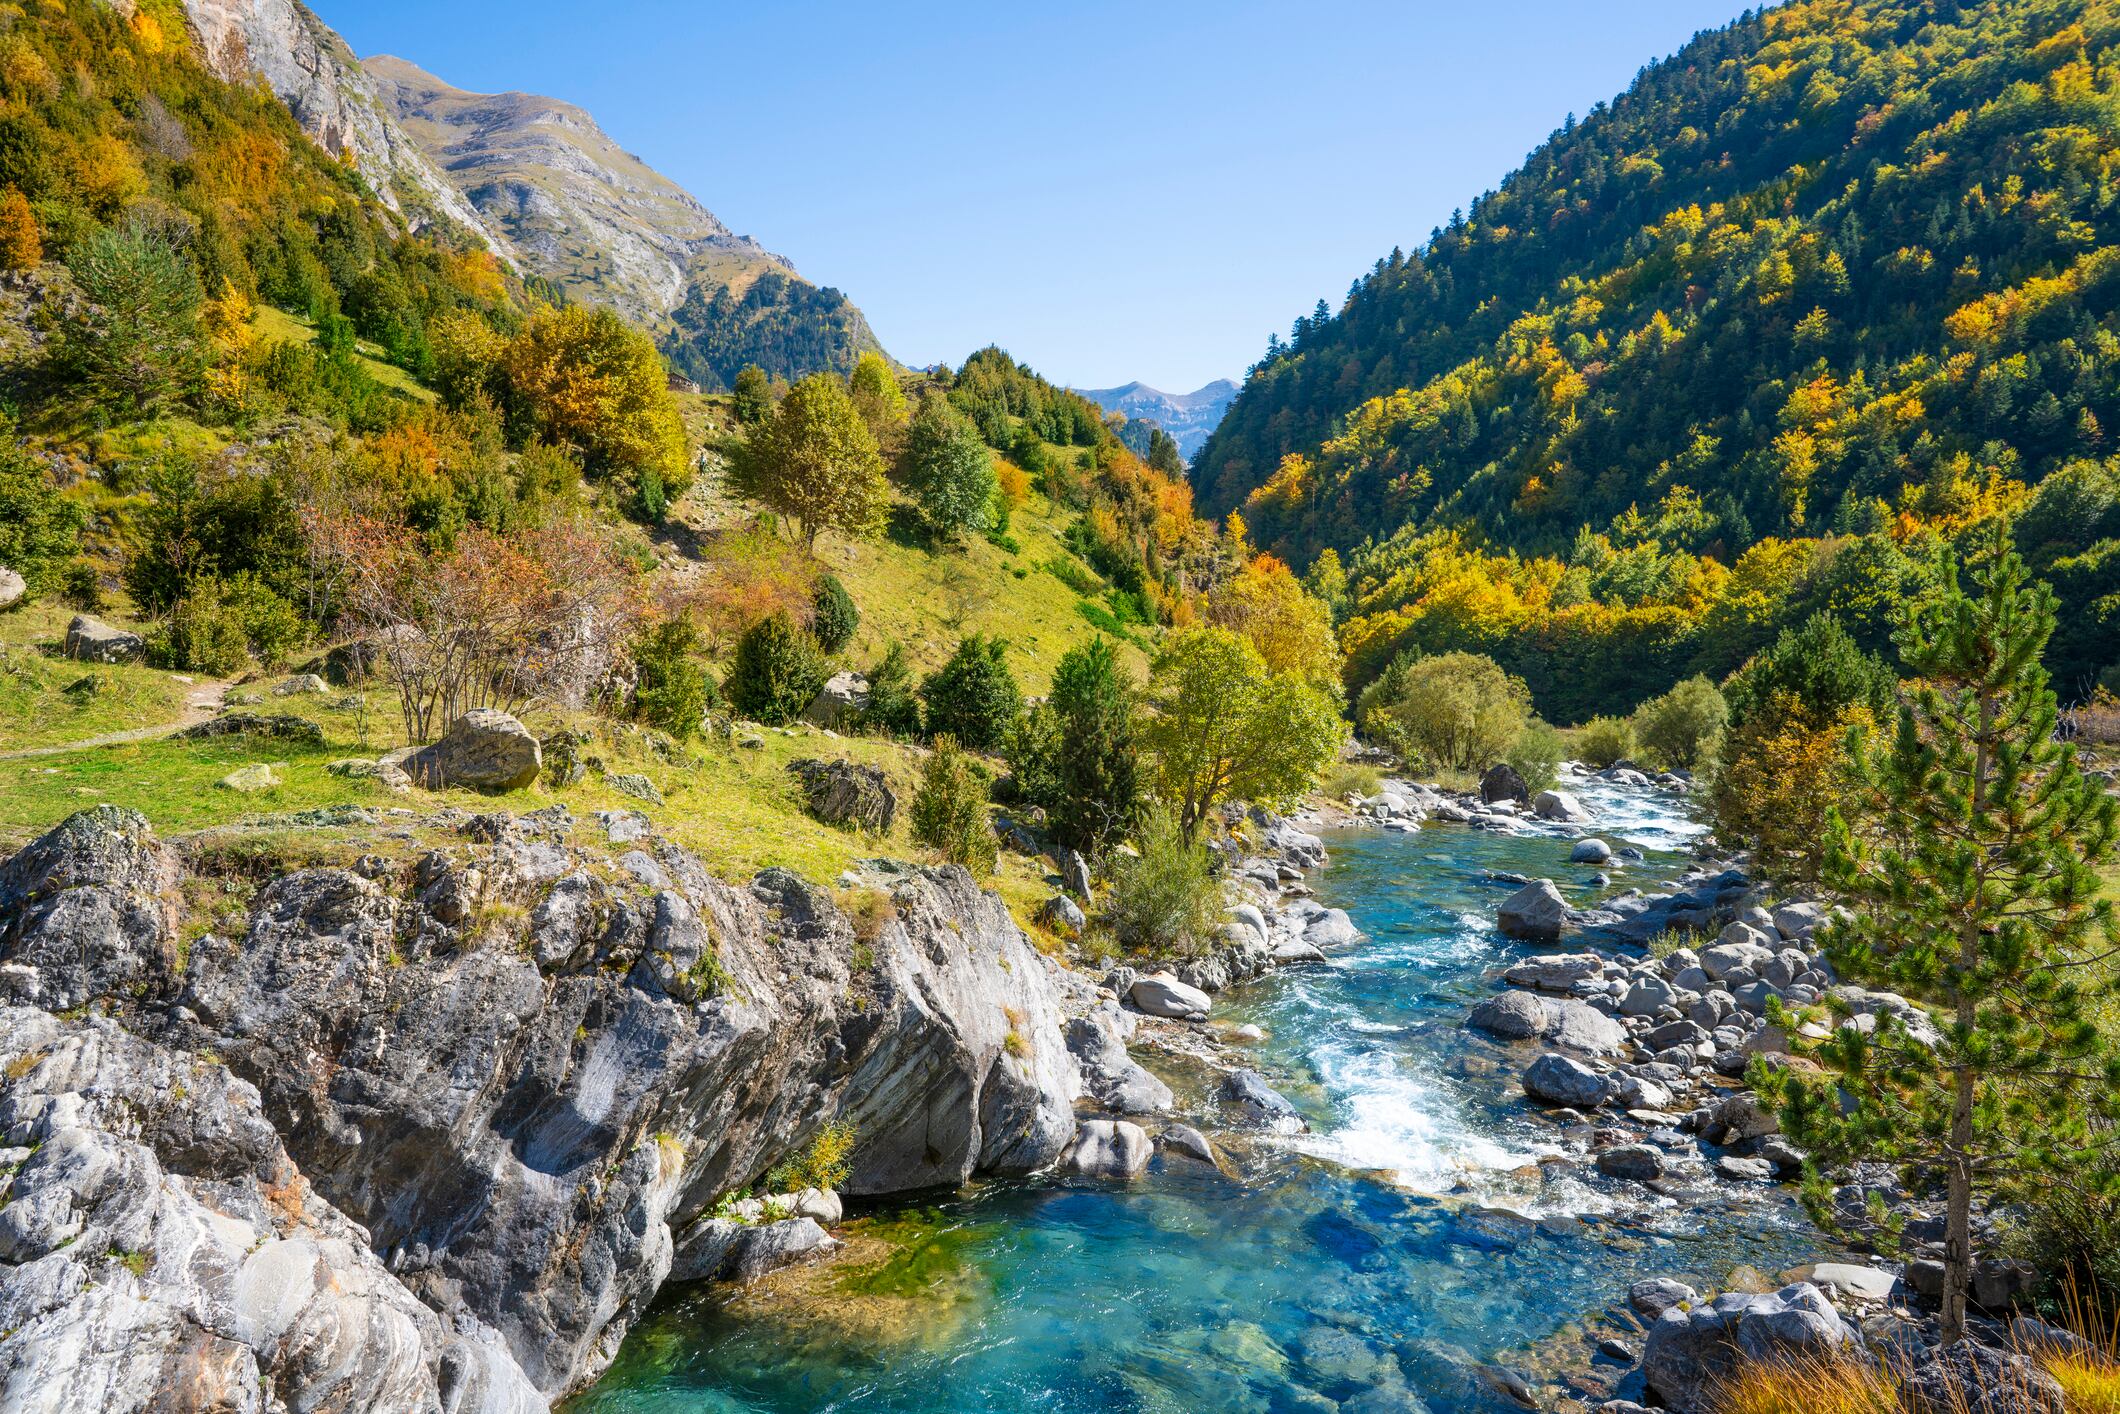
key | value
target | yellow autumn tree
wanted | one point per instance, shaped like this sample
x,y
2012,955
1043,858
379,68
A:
x,y
21,241
226,321
583,378
1291,627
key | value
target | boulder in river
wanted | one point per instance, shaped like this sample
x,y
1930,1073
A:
x,y
1559,805
1259,1102
1513,1016
1590,850
1558,1080
1112,1077
1536,912
1640,1162
1108,1148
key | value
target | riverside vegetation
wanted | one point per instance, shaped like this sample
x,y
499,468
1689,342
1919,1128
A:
x,y
326,532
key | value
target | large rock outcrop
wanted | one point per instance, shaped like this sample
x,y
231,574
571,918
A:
x,y
520,1064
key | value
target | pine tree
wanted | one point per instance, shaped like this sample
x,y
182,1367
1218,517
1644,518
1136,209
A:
x,y
1971,865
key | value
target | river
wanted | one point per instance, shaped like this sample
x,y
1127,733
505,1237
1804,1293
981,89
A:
x,y
1421,1229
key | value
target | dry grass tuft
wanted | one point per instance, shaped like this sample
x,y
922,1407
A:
x,y
1820,1384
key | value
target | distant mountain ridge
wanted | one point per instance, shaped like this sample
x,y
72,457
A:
x,y
1188,417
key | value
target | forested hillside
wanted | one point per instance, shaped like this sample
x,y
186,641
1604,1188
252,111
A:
x,y
1841,277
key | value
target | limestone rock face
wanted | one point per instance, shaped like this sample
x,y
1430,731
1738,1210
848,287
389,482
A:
x,y
91,640
159,1249
519,1114
483,750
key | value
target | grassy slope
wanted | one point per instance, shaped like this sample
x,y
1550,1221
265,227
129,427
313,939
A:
x,y
737,808
36,709
278,326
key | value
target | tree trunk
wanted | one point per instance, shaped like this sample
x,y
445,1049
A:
x,y
1958,1212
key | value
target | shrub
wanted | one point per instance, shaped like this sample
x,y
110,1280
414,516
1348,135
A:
x,y
777,671
949,809
39,529
1458,711
1605,741
894,707
1536,755
1165,903
673,690
1680,729
1351,780
204,633
973,697
824,1163
273,627
833,614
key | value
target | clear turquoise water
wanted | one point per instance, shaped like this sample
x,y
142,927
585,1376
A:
x,y
1365,1266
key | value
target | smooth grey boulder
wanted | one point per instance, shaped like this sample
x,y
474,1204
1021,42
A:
x,y
1690,1353
1513,1016
483,750
1558,1080
1640,1162
1559,805
1651,1298
1258,1102
1184,1139
13,589
842,793
1797,922
1536,912
1557,972
1160,994
91,640
844,697
1063,915
1590,850
1110,1076
1109,1148
1578,1026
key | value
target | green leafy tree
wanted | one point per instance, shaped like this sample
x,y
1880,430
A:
x,y
40,530
1223,727
949,809
1459,711
133,343
1078,755
833,615
894,700
1536,756
753,397
776,672
875,391
1970,858
1681,728
973,697
815,462
1606,741
950,471
674,689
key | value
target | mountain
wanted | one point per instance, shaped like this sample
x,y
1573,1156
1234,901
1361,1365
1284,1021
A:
x,y
311,70
548,190
1830,256
1187,417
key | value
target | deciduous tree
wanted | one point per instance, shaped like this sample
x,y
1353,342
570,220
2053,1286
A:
x,y
815,462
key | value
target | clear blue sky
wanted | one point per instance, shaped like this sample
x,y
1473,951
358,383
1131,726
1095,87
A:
x,y
1110,191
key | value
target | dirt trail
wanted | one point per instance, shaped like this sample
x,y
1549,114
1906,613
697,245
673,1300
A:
x,y
201,702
